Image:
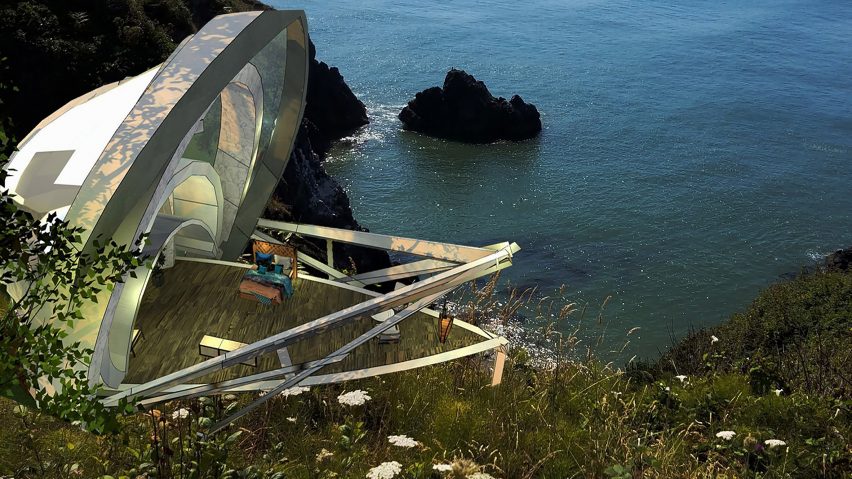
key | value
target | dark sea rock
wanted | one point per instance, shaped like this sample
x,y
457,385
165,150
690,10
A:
x,y
465,110
306,193
331,106
840,260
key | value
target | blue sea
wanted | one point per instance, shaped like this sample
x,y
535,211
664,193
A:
x,y
693,152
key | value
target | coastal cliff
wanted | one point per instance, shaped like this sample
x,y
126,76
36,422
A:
x,y
76,48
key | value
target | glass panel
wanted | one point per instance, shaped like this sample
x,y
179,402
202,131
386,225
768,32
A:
x,y
270,63
204,144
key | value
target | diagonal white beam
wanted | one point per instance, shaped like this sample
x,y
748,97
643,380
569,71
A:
x,y
416,268
343,351
213,388
430,249
322,267
413,292
330,378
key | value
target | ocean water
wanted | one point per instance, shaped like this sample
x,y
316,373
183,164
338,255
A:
x,y
692,151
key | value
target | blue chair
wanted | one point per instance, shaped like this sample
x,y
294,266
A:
x,y
262,258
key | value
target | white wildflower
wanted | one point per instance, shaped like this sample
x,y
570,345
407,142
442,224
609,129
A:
x,y
442,467
354,398
778,391
324,454
294,391
726,435
181,413
680,377
402,441
713,339
385,470
480,475
774,443
291,419
668,388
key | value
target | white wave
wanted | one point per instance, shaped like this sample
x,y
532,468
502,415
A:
x,y
816,255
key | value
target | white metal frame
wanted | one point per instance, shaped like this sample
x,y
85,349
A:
x,y
447,267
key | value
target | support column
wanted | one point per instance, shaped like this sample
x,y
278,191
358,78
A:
x,y
499,363
169,254
284,359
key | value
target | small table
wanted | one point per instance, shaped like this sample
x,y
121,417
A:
x,y
272,278
391,335
211,346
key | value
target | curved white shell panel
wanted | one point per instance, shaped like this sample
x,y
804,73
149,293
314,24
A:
x,y
188,152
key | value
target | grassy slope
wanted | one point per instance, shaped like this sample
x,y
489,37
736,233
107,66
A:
x,y
796,335
580,420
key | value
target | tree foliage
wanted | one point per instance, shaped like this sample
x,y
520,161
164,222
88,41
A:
x,y
58,50
44,260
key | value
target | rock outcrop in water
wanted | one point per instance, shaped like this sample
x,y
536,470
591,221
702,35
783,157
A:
x,y
465,110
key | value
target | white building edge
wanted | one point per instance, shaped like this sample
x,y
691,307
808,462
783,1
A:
x,y
189,153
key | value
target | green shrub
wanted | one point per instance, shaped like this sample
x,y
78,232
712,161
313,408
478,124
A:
x,y
795,336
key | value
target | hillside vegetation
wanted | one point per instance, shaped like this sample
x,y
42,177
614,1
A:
x,y
796,336
574,419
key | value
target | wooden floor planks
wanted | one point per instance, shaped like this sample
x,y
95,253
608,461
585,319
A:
x,y
202,298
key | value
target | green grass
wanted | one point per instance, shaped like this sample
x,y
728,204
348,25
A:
x,y
796,335
581,419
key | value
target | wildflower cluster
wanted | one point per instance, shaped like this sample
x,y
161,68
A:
x,y
480,475
294,391
354,398
402,441
324,454
181,413
385,470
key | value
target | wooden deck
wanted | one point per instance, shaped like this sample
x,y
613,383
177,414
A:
x,y
200,299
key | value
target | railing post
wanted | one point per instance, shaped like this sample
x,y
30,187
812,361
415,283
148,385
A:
x,y
329,252
499,362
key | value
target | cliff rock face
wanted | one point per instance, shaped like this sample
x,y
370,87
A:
x,y
307,194
840,260
331,106
465,110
